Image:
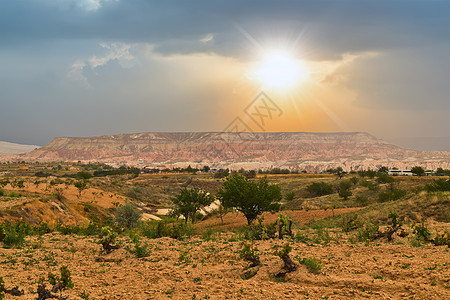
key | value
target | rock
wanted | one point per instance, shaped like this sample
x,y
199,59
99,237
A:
x,y
313,152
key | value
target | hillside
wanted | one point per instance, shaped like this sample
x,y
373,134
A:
x,y
295,150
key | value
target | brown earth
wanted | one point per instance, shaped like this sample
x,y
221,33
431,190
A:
x,y
38,204
301,217
198,269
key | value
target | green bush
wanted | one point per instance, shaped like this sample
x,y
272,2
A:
x,y
317,189
391,195
442,239
384,178
350,223
289,196
367,232
422,233
259,231
441,185
369,184
175,230
362,200
128,215
13,235
249,253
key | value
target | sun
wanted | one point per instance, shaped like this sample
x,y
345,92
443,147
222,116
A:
x,y
279,70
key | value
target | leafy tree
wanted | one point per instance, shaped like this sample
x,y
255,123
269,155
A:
x,y
83,175
438,185
344,189
189,201
317,189
383,169
128,215
250,198
442,172
419,171
338,171
384,178
222,173
206,169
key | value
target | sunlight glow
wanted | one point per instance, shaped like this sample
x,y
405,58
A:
x,y
279,70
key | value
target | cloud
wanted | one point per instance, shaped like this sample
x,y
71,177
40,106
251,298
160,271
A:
x,y
76,72
87,5
116,52
207,38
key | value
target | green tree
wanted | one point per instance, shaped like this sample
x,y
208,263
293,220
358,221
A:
x,y
344,189
248,197
84,175
189,201
419,171
383,169
384,178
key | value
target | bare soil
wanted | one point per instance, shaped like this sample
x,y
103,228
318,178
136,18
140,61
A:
x,y
196,268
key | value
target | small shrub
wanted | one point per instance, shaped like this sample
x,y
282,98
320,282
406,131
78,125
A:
x,y
314,265
422,233
300,237
107,238
283,253
354,180
249,253
391,195
438,185
350,223
259,231
208,234
14,235
65,279
140,250
128,215
367,232
289,196
362,200
442,239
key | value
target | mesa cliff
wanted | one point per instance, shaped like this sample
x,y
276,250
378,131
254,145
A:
x,y
312,152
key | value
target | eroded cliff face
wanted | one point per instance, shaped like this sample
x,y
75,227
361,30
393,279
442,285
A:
x,y
295,150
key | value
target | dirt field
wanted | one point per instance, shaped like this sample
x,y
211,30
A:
x,y
198,268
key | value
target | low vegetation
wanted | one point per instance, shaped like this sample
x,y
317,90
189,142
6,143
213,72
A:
x,y
379,230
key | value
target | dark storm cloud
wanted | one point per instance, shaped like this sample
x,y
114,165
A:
x,y
331,27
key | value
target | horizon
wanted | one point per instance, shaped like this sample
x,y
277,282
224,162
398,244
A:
x,y
96,67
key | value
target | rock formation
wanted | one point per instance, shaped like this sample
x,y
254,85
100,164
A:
x,y
312,152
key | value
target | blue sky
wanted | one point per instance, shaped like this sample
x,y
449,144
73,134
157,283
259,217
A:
x,y
92,67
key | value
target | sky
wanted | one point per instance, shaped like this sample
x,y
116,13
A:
x,y
95,67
